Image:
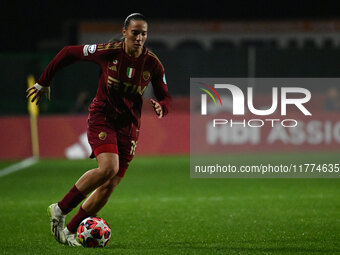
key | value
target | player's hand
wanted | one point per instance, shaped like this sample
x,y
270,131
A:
x,y
157,107
37,91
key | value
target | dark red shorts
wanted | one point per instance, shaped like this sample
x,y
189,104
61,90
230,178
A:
x,y
104,138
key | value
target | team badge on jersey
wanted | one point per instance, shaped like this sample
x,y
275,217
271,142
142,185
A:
x,y
130,72
102,135
146,75
115,62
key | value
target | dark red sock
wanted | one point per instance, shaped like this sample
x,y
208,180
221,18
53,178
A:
x,y
71,200
75,221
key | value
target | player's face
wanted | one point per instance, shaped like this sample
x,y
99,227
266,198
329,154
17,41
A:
x,y
135,35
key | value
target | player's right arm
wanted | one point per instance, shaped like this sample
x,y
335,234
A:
x,y
67,56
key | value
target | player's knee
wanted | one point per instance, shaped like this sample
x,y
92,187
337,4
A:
x,y
109,170
108,166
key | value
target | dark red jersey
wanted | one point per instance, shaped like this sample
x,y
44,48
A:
x,y
123,79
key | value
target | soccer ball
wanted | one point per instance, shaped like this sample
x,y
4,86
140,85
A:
x,y
94,232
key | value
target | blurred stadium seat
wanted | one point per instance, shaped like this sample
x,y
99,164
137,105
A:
x,y
189,45
328,43
253,43
156,45
219,44
292,44
309,43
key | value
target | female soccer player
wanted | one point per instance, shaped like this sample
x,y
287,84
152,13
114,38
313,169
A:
x,y
127,67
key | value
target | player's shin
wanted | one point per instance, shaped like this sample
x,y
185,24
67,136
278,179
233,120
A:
x,y
79,217
71,200
98,198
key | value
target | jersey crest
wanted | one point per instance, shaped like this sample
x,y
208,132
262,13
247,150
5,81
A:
x,y
146,75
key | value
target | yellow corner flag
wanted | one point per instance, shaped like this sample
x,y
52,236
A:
x,y
33,111
33,108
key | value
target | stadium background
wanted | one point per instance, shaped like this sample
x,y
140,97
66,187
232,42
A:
x,y
243,39
283,40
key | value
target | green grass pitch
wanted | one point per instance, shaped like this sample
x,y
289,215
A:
x,y
158,209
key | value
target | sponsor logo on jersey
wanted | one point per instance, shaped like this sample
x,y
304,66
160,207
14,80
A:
x,y
114,67
146,75
102,135
130,72
127,87
92,48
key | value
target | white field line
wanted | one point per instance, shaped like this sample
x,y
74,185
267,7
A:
x,y
18,166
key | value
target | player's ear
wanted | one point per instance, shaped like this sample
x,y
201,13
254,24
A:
x,y
124,32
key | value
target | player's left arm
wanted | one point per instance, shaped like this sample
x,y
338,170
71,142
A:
x,y
160,87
